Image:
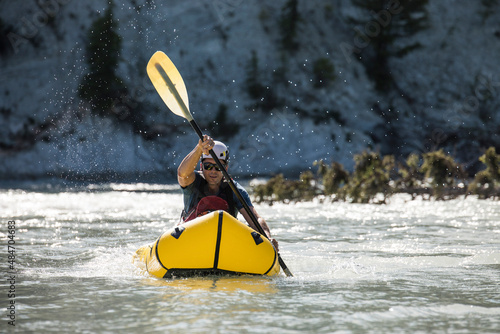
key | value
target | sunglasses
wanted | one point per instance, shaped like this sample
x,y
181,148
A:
x,y
210,166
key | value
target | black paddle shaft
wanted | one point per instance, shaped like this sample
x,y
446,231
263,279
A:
x,y
238,195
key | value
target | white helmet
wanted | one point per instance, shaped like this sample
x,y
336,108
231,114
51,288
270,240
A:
x,y
220,150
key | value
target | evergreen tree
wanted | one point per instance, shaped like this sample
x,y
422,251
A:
x,y
383,23
101,87
264,96
324,72
5,45
220,127
254,88
289,23
489,7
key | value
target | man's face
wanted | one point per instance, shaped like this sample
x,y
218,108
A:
x,y
210,172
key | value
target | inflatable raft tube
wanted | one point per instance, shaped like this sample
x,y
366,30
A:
x,y
213,244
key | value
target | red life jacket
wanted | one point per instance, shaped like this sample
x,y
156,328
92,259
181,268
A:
x,y
206,205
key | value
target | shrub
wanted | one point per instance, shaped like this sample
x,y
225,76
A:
x,y
485,181
373,176
492,161
370,177
411,177
306,188
441,170
282,190
333,178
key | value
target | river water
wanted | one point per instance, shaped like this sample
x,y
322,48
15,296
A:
x,y
408,266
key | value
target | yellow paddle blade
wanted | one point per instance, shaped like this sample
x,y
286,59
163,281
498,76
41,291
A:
x,y
169,84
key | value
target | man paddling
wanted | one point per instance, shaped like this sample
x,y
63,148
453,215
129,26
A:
x,y
207,189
